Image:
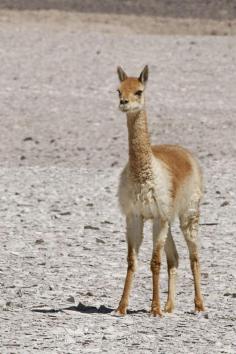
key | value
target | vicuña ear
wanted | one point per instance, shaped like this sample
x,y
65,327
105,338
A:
x,y
122,75
144,75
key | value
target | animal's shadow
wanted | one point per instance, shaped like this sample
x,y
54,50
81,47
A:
x,y
85,309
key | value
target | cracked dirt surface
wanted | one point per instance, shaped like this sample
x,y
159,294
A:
x,y
63,144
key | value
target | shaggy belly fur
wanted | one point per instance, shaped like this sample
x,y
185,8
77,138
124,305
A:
x,y
143,201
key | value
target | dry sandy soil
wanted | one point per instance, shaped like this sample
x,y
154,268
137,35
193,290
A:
x,y
62,146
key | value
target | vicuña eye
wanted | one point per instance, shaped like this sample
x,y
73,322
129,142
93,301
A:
x,y
138,93
119,93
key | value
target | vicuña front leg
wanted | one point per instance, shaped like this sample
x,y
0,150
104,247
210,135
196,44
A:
x,y
189,226
134,235
172,263
160,230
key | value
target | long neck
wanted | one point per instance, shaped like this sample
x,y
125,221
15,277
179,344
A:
x,y
140,152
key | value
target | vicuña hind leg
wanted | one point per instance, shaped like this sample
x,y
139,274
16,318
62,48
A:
x,y
172,263
160,230
134,235
189,227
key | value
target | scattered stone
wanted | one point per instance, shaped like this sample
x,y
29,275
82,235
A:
x,y
39,241
86,248
205,275
115,163
89,227
55,217
71,299
98,240
233,295
89,293
65,213
224,203
19,293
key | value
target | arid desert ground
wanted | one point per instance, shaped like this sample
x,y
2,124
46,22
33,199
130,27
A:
x,y
63,144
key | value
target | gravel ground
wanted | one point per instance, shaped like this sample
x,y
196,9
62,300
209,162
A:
x,y
62,146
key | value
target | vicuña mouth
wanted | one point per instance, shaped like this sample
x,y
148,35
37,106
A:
x,y
124,109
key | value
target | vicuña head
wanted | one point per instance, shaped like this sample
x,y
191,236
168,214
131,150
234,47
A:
x,y
131,90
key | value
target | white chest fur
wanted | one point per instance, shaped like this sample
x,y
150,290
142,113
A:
x,y
150,199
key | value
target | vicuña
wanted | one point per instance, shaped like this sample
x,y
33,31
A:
x,y
158,183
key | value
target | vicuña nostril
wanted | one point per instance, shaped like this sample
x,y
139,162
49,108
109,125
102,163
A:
x,y
123,101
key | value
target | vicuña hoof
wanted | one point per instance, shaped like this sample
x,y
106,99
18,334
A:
x,y
121,311
199,307
156,312
169,307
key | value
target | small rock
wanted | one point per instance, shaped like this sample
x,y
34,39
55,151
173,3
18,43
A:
x,y
89,227
114,163
22,157
71,299
39,241
86,249
98,240
19,293
54,217
205,275
28,138
65,213
107,222
89,293
224,203
233,295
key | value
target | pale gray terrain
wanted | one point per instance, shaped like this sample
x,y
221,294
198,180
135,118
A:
x,y
63,144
